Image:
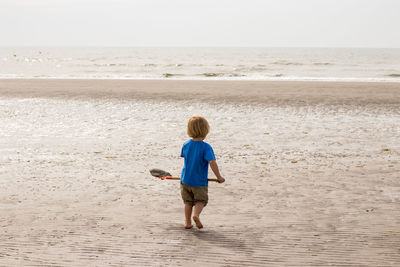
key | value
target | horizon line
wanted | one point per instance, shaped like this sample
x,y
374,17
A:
x,y
206,46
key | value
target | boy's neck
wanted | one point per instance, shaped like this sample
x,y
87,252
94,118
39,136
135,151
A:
x,y
197,139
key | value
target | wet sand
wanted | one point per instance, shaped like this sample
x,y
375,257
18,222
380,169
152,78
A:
x,y
312,173
249,92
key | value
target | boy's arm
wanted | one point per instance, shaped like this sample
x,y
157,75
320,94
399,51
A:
x,y
214,168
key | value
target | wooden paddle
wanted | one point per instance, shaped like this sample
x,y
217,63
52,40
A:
x,y
163,175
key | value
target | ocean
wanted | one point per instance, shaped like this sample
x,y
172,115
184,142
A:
x,y
191,63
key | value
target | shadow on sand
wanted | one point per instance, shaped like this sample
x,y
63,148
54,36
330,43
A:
x,y
227,239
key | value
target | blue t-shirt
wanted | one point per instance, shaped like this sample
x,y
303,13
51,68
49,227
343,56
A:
x,y
197,155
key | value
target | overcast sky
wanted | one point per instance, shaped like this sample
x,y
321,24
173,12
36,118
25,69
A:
x,y
269,23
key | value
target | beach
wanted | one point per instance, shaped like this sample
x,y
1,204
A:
x,y
312,173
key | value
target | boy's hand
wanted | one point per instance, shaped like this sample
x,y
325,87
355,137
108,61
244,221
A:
x,y
220,180
214,167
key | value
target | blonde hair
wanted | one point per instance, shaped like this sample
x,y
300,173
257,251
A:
x,y
198,127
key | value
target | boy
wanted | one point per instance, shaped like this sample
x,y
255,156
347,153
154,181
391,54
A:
x,y
194,179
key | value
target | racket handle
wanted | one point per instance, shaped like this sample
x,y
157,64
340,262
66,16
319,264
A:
x,y
174,178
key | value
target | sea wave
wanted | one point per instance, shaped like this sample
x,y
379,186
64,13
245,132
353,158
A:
x,y
175,65
169,75
236,75
115,65
102,65
322,64
228,77
287,63
258,68
92,59
213,74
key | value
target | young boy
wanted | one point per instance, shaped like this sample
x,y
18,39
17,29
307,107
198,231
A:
x,y
194,179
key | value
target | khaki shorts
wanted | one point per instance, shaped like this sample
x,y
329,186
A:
x,y
191,194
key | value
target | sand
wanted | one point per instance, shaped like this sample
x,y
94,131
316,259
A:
x,y
312,172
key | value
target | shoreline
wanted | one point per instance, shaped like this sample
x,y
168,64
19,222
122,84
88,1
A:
x,y
243,91
230,79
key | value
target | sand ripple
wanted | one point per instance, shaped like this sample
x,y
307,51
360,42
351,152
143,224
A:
x,y
306,185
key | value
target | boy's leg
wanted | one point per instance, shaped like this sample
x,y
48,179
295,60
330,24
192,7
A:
x,y
188,199
198,207
188,216
201,199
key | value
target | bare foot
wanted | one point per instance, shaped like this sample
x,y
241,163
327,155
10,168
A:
x,y
198,222
190,226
